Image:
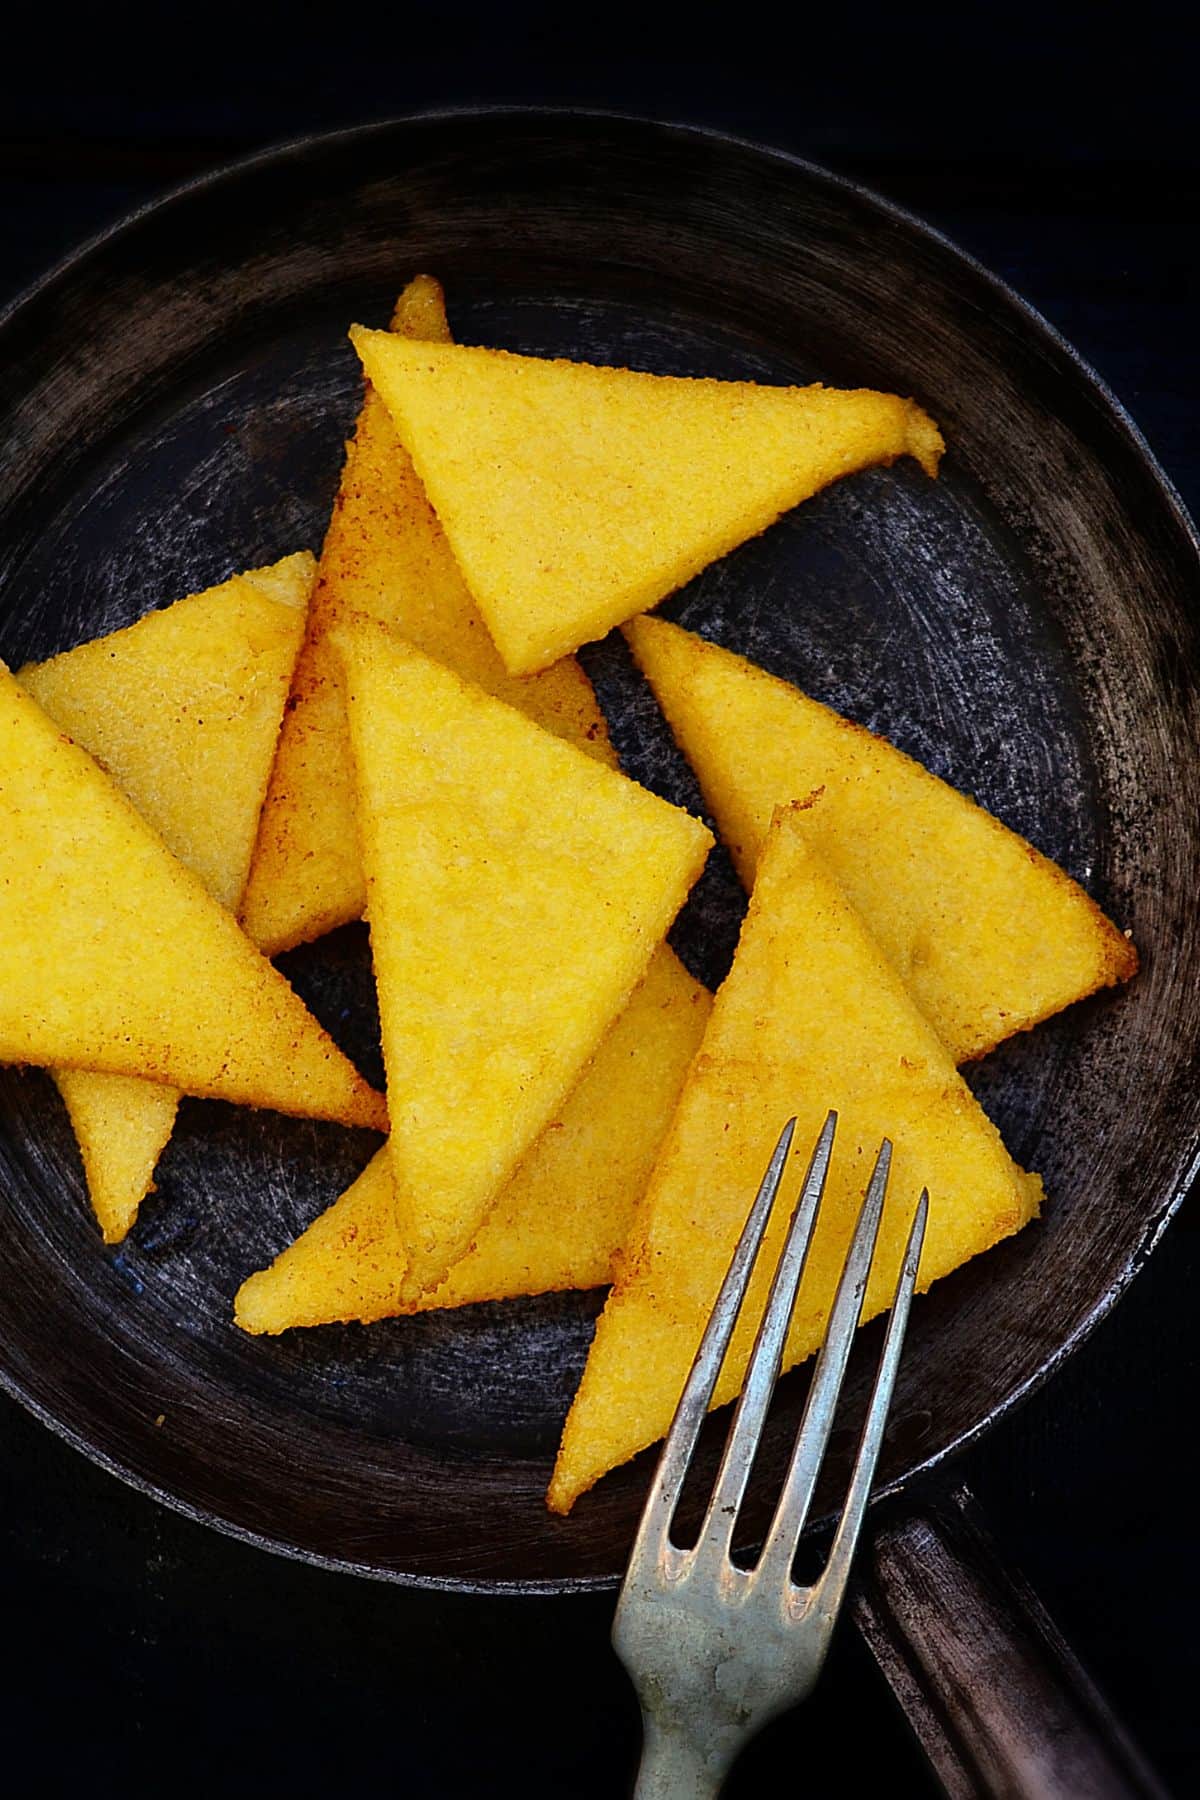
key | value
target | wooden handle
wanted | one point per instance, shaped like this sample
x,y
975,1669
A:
x,y
998,1702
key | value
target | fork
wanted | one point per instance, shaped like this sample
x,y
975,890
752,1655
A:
x,y
715,1651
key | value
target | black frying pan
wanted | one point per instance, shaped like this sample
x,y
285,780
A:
x,y
173,401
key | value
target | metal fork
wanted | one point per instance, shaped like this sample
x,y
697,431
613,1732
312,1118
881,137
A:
x,y
716,1651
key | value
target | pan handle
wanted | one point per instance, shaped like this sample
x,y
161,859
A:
x,y
999,1704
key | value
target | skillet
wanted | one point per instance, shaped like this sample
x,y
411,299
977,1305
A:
x,y
173,400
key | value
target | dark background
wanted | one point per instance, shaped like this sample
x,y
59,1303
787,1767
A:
x,y
1059,145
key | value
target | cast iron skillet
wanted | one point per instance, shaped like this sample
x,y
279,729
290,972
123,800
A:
x,y
174,400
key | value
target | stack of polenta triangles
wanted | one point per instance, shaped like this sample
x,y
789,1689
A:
x,y
183,711
386,563
121,970
561,1102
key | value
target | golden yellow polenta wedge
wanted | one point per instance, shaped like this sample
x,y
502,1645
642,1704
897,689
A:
x,y
384,557
122,1126
114,956
561,1218
574,497
516,891
178,707
811,1016
987,934
182,709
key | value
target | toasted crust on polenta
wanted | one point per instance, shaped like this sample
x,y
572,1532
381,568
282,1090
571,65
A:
x,y
575,496
811,1016
385,557
516,892
988,935
559,1221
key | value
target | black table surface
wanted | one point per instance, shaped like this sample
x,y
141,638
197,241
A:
x,y
143,1647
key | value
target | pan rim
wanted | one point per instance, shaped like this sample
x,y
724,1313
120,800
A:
x,y
1188,1162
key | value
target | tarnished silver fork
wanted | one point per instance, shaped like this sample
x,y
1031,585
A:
x,y
716,1651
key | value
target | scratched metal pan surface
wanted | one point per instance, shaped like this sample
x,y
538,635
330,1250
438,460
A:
x,y
174,401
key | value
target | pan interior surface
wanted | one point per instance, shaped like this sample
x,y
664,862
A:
x,y
174,404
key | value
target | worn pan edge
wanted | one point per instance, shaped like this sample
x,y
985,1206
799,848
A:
x,y
1187,1169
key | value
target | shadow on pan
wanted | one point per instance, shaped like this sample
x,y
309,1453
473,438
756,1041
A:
x,y
174,400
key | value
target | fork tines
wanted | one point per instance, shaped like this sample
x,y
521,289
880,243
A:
x,y
716,1533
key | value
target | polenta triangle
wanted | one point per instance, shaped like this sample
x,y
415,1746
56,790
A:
x,y
560,1220
122,1126
811,1016
574,497
115,957
384,558
516,892
987,934
182,709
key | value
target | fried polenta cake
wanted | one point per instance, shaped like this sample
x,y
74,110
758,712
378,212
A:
x,y
517,890
812,1016
114,955
560,1220
574,496
385,557
988,935
183,710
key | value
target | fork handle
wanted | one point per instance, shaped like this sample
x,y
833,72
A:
x,y
997,1700
673,1767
